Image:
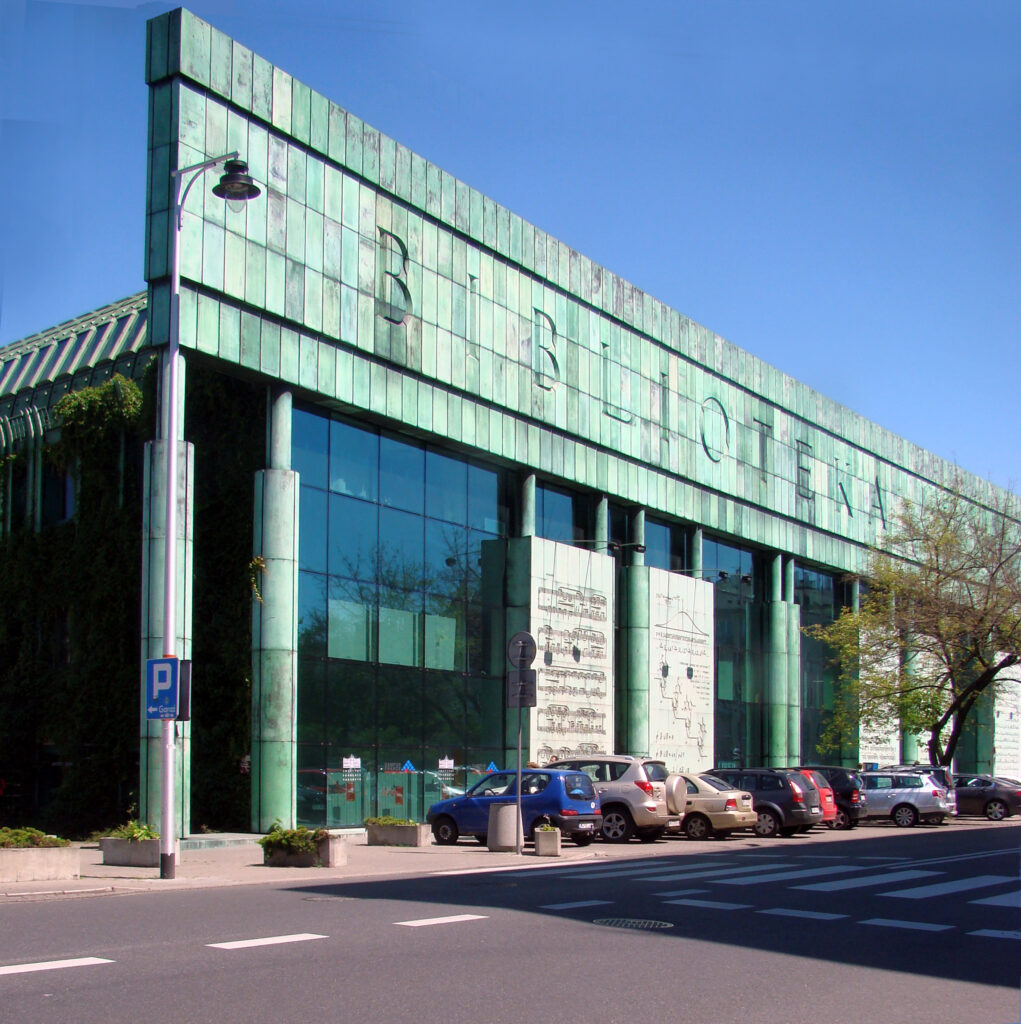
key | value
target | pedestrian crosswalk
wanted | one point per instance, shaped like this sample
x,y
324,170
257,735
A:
x,y
866,882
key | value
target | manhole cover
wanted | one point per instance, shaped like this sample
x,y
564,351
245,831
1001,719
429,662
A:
x,y
632,922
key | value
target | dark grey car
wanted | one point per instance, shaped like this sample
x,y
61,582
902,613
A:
x,y
785,801
997,798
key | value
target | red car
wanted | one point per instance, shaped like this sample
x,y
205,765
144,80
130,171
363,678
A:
x,y
826,801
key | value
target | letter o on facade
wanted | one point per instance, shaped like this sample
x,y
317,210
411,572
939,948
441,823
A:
x,y
714,428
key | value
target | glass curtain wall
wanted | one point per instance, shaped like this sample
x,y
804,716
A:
x,y
738,581
818,594
391,677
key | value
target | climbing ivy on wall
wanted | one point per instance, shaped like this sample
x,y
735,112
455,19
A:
x,y
69,622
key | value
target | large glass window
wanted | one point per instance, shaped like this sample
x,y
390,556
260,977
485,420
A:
x,y
736,574
817,594
391,624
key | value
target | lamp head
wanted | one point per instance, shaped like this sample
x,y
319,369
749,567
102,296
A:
x,y
236,186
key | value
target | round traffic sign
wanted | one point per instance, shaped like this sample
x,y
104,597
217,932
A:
x,y
522,648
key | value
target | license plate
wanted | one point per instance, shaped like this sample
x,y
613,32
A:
x,y
674,824
586,825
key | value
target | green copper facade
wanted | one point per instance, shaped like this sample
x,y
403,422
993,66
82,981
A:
x,y
382,305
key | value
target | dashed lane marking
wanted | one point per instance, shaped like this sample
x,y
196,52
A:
x,y
576,905
810,915
54,965
710,904
918,926
269,940
425,922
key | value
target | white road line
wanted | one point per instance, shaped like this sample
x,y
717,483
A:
x,y
269,940
424,922
1006,899
710,904
918,926
54,965
708,873
924,892
784,876
680,892
811,915
991,933
573,906
861,883
632,872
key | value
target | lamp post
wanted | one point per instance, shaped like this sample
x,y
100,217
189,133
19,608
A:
x,y
237,188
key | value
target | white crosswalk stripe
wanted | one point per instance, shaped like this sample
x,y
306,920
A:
x,y
783,876
924,892
862,883
1006,899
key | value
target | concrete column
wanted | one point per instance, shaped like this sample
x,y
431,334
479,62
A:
x,y
154,529
776,667
275,630
528,505
794,754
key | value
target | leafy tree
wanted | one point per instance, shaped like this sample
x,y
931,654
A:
x,y
939,621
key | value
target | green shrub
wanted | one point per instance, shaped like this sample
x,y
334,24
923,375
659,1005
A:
x,y
387,820
133,830
18,838
291,840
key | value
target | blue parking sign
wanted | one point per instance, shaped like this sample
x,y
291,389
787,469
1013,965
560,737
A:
x,y
161,688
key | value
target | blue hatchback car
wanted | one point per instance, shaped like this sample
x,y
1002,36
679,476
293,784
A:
x,y
566,798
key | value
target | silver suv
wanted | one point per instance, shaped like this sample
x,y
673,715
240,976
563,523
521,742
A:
x,y
632,792
907,797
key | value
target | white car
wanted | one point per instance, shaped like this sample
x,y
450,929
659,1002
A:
x,y
907,798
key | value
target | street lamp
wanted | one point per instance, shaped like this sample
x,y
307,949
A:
x,y
237,188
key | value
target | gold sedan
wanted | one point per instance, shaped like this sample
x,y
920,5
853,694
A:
x,y
711,807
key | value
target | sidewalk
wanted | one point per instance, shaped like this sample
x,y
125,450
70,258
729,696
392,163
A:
x,y
236,859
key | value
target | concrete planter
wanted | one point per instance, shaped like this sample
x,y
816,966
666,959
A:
x,y
39,863
547,842
133,853
399,835
331,852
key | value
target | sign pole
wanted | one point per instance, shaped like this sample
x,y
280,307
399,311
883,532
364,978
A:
x,y
521,694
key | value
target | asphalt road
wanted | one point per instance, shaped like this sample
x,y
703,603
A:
x,y
888,928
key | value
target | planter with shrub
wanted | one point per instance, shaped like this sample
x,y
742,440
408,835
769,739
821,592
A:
x,y
28,855
302,848
396,832
133,845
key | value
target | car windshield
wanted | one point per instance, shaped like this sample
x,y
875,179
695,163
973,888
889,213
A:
x,y
579,786
656,771
716,783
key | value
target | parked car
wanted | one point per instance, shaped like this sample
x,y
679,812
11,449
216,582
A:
x,y
710,806
995,797
632,793
785,801
566,798
848,793
944,776
826,800
907,797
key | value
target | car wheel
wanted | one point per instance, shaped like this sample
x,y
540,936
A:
x,y
904,816
935,819
767,825
582,838
445,831
618,825
996,810
697,826
482,840
842,821
649,835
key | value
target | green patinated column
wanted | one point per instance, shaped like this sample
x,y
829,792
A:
x,y
154,531
275,630
696,552
776,667
910,749
602,534
634,694
985,725
517,615
850,747
794,755
528,505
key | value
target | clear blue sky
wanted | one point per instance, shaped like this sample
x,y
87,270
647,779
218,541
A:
x,y
833,186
